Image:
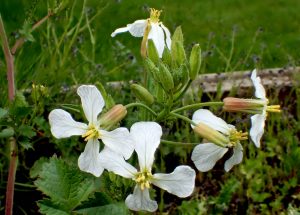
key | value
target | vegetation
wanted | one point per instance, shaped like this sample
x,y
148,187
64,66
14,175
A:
x,y
72,46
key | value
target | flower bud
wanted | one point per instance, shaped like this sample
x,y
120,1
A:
x,y
178,53
253,106
142,93
150,66
211,134
113,116
195,61
166,78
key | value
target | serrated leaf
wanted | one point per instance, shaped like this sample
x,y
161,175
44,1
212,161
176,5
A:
x,y
111,209
37,167
47,207
7,132
26,130
66,185
26,144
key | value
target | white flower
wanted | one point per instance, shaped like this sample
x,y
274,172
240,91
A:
x,y
206,155
63,125
158,32
258,120
146,136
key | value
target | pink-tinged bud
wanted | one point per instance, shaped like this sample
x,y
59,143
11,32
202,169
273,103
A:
x,y
211,135
253,106
113,116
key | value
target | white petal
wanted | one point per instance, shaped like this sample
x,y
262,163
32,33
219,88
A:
x,y
63,125
257,128
146,136
119,30
259,88
236,158
116,163
137,28
206,155
180,182
158,37
208,118
167,36
89,160
92,102
140,200
119,141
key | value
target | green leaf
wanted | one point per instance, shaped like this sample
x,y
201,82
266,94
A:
x,y
111,209
26,144
7,132
37,167
26,130
3,113
66,185
47,207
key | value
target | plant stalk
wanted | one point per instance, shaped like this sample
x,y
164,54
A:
x,y
12,141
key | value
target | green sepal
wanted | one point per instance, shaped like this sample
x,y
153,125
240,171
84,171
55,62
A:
x,y
167,57
152,52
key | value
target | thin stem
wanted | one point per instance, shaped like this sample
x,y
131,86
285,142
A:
x,y
9,62
11,177
198,105
21,41
168,142
12,141
183,118
231,51
141,105
184,90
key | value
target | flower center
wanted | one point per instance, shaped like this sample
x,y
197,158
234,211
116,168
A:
x,y
235,136
154,15
143,179
92,132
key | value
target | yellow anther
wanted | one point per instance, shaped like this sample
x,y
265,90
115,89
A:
x,y
273,108
235,136
154,15
92,132
142,179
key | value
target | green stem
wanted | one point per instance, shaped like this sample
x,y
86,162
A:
x,y
184,90
168,142
183,118
136,104
198,105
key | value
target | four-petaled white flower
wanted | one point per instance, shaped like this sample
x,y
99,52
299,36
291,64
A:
x,y
146,136
258,120
63,125
206,155
157,31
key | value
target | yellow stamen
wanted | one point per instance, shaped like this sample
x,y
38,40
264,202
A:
x,y
235,136
273,108
154,15
142,179
92,132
